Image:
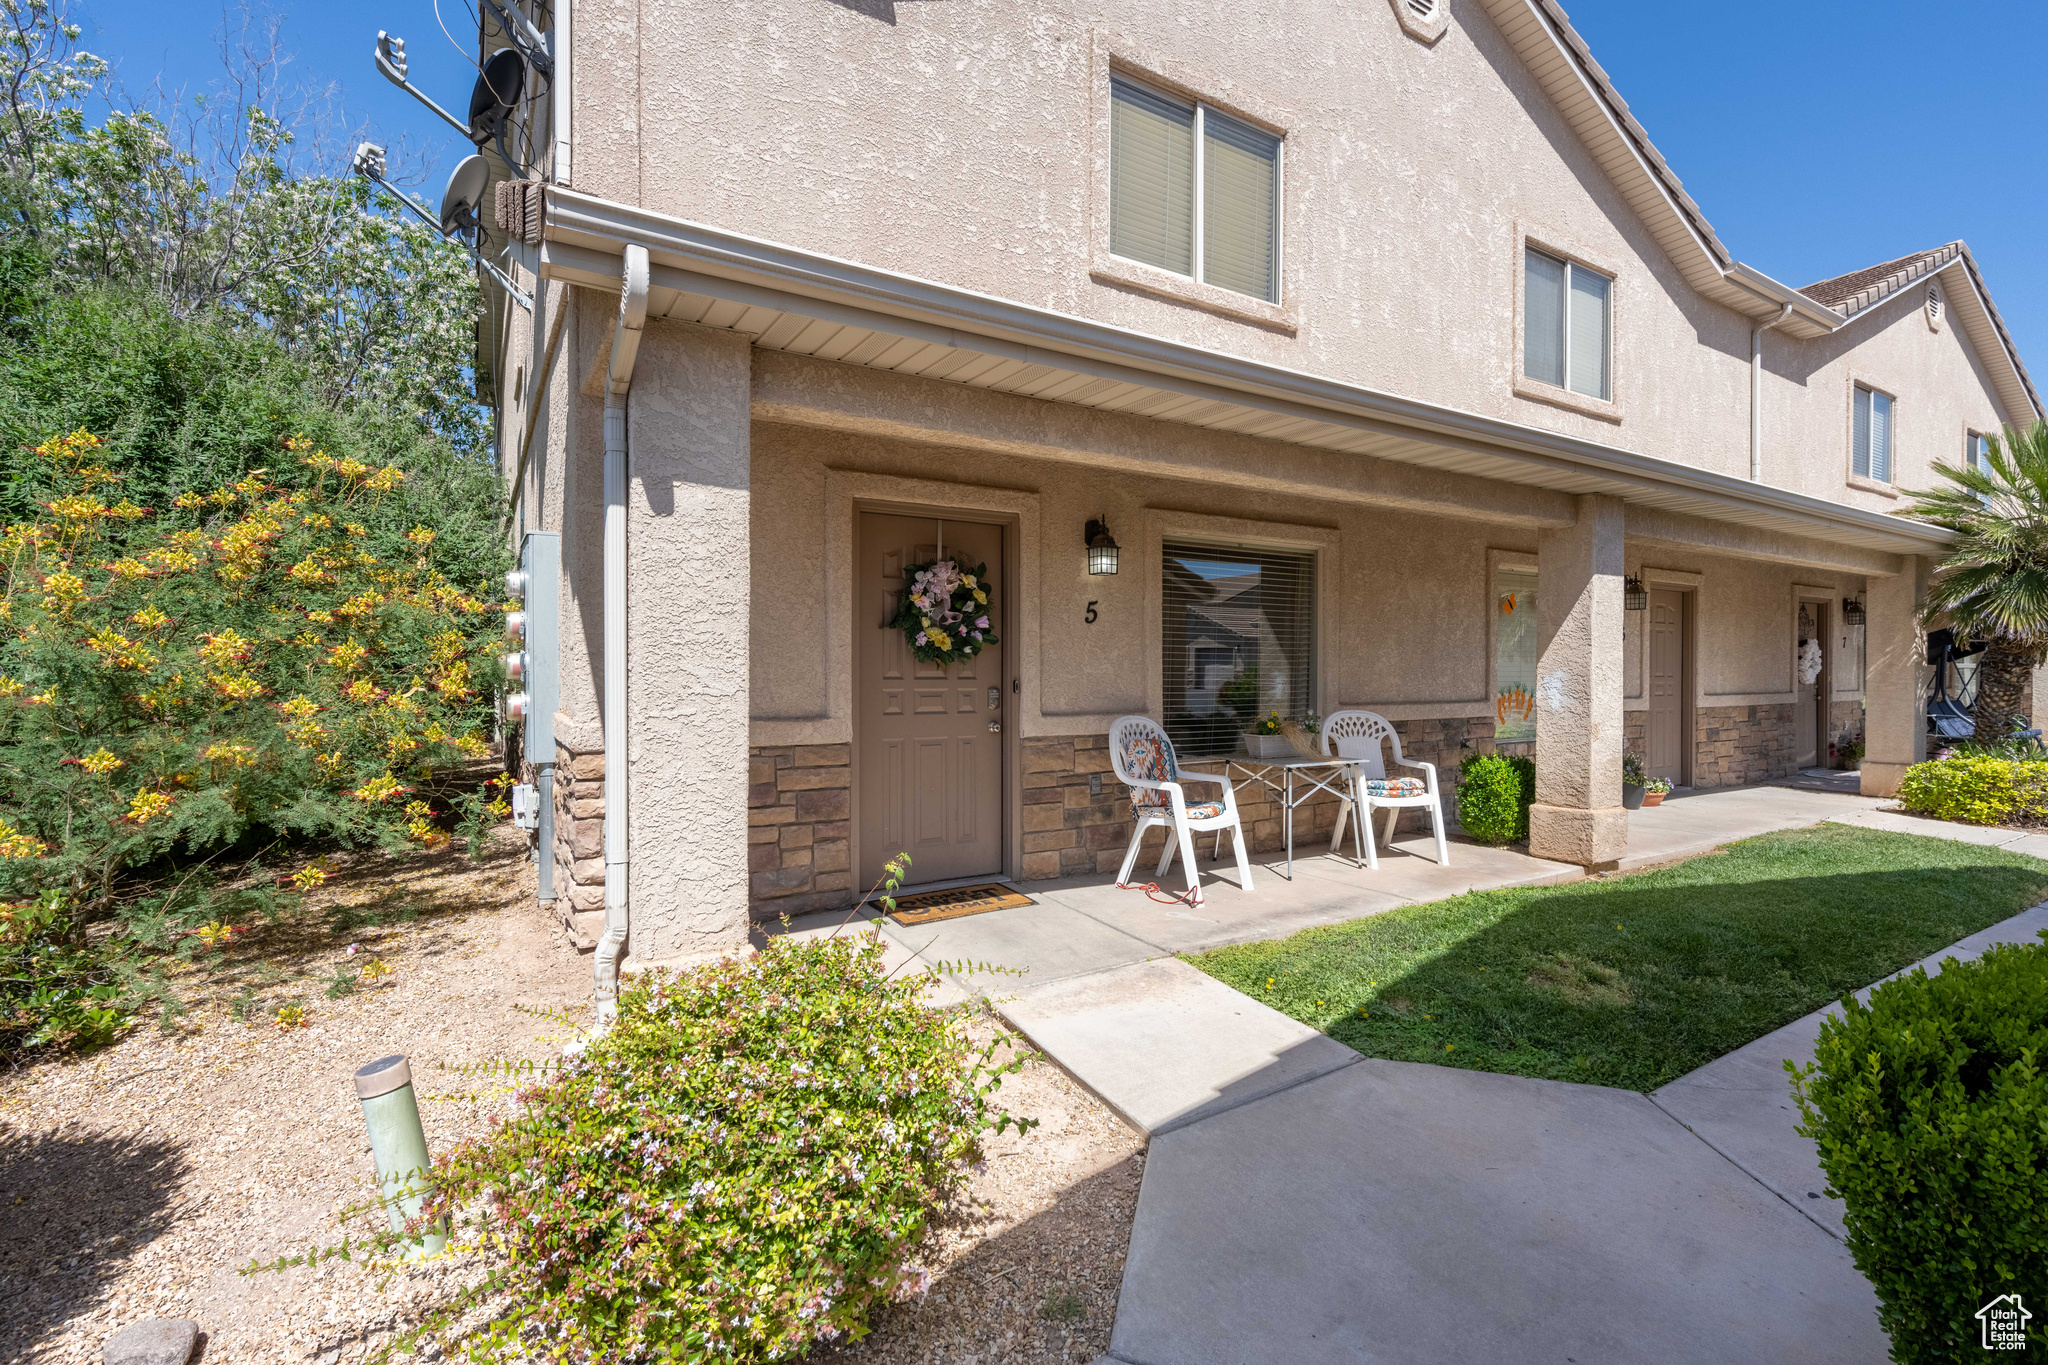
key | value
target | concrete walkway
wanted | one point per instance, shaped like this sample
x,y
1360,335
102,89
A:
x,y
1741,1103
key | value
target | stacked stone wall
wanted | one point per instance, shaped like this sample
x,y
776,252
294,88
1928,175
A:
x,y
579,843
1734,745
799,830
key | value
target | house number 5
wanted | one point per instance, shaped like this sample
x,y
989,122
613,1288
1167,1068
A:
x,y
1090,617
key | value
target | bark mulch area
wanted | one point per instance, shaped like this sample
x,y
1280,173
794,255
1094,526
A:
x,y
137,1181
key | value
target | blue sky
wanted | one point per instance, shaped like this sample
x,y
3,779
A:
x,y
1819,137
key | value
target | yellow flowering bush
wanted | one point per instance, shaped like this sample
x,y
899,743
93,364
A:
x,y
173,682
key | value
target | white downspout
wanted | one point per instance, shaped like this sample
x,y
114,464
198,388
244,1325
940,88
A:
x,y
560,92
625,350
1756,392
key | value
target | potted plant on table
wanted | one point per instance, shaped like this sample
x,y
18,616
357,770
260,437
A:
x,y
1268,739
1633,782
1656,790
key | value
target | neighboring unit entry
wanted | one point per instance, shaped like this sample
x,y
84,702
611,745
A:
x,y
535,668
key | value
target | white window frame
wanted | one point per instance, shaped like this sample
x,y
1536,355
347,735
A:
x,y
1882,483
1570,265
1197,253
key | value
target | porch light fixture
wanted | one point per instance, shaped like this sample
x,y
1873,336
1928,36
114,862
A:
x,y
1102,548
1634,596
1852,611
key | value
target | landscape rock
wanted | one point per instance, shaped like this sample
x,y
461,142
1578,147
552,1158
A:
x,y
160,1341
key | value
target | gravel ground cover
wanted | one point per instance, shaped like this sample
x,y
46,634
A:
x,y
137,1181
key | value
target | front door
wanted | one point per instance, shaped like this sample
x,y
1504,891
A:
x,y
1810,712
930,757
1665,740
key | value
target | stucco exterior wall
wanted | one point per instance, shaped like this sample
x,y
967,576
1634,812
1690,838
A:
x,y
1938,381
967,143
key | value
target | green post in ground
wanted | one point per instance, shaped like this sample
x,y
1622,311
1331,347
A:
x,y
392,1114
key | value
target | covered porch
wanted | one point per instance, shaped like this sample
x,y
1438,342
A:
x,y
790,409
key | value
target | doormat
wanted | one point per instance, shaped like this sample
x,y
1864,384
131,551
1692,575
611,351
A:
x,y
928,907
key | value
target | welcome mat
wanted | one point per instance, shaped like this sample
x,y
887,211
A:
x,y
928,907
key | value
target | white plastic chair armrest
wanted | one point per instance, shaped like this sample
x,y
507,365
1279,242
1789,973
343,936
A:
x,y
1429,768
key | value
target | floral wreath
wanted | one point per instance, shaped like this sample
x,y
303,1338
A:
x,y
945,615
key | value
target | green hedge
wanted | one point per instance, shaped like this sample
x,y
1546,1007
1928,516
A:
x,y
1494,793
1977,790
1931,1112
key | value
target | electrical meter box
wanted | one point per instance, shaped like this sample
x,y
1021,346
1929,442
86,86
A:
x,y
535,665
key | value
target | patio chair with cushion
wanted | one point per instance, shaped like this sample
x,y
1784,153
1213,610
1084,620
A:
x,y
1356,735
1143,758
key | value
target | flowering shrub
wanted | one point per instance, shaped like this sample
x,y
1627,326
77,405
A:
x,y
270,659
1979,790
743,1166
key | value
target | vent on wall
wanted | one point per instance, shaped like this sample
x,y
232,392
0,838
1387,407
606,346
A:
x,y
1934,307
1423,19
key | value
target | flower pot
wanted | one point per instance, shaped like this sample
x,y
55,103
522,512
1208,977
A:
x,y
1631,796
1653,798
1268,746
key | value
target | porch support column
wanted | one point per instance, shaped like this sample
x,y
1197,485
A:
x,y
688,499
1895,677
1578,817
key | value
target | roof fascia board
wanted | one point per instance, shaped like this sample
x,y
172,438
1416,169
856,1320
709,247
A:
x,y
696,258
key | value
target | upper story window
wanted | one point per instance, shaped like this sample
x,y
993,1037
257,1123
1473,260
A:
x,y
1977,451
1871,438
1194,191
1567,312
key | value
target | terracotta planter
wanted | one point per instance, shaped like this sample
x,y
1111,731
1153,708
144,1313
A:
x,y
1631,796
1653,798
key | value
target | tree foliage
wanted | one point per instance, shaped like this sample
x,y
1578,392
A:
x,y
1993,583
236,203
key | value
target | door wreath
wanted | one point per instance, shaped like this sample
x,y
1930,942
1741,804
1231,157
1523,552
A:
x,y
945,615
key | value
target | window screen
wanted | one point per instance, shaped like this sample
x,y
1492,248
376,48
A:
x,y
1152,178
1978,452
1872,435
1161,151
1239,637
1566,312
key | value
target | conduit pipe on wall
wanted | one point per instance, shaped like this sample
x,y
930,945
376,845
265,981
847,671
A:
x,y
1756,392
625,350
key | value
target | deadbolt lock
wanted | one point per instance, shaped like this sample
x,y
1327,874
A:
x,y
995,698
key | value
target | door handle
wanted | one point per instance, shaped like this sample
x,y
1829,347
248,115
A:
x,y
995,726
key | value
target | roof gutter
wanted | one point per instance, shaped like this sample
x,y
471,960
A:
x,y
585,236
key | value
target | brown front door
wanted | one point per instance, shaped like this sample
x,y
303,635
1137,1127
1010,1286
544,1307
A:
x,y
1810,713
1666,738
930,737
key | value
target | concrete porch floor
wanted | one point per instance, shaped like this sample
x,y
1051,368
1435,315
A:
x,y
1084,924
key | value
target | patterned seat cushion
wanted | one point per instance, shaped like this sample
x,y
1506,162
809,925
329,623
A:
x,y
1208,810
1394,787
1148,754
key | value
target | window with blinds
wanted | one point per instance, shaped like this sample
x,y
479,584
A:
x,y
1871,435
1238,630
1977,451
1193,190
1565,324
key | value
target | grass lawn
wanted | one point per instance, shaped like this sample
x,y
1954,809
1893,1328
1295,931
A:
x,y
1635,981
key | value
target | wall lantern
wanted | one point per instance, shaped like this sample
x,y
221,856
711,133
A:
x,y
1102,548
1852,611
1634,596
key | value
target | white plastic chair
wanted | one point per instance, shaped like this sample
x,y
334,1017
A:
x,y
1356,735
1144,761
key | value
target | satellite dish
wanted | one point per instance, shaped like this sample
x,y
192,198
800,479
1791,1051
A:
x,y
495,95
465,193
